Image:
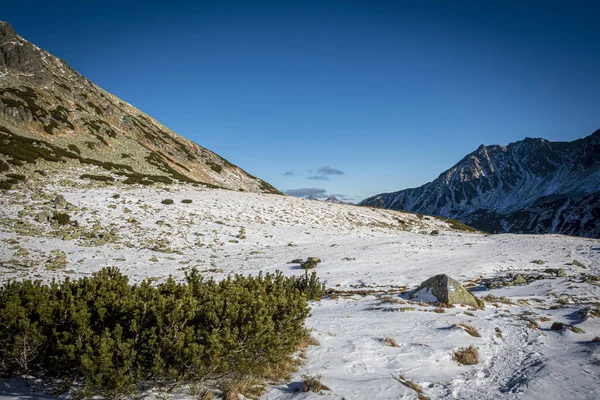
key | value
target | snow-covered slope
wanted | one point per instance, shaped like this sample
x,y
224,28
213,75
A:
x,y
530,186
370,258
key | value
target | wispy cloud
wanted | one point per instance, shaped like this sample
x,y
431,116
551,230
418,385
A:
x,y
288,173
344,197
318,178
303,192
330,171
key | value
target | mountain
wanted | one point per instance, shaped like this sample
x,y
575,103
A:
x,y
50,113
311,197
334,200
530,186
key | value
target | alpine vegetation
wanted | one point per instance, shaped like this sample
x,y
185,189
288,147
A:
x,y
103,335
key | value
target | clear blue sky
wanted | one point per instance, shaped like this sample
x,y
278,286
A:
x,y
388,93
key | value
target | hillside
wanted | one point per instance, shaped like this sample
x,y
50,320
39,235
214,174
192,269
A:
x,y
530,186
53,116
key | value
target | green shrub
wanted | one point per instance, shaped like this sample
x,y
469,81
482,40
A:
x,y
167,201
5,185
3,166
16,177
186,201
114,337
160,178
74,148
99,178
214,166
133,179
62,218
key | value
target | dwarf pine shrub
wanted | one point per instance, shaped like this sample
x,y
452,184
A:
x,y
112,337
62,218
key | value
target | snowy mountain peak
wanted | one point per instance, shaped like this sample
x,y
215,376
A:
x,y
334,200
530,186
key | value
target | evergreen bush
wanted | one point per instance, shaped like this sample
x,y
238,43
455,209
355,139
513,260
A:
x,y
111,338
62,218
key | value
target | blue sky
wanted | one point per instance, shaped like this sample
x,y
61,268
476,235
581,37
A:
x,y
348,97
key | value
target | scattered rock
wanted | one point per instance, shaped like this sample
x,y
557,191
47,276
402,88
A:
x,y
43,216
443,289
519,280
60,202
57,261
558,272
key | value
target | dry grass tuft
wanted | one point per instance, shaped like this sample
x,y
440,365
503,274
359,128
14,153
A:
x,y
466,356
576,329
471,330
532,324
498,332
245,385
493,299
313,383
439,310
253,385
413,386
391,300
390,341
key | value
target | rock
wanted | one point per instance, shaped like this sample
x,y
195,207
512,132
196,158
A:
x,y
559,272
519,280
443,289
7,32
59,261
42,216
60,202
435,232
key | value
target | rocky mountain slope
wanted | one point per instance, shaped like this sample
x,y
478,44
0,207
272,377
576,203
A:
x,y
333,200
49,113
530,186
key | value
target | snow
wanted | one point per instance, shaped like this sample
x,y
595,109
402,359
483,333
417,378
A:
x,y
360,248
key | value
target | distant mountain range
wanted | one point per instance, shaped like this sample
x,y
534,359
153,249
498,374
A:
x,y
331,199
50,113
530,186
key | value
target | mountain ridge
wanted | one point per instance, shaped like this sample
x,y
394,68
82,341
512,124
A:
x,y
530,186
49,112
